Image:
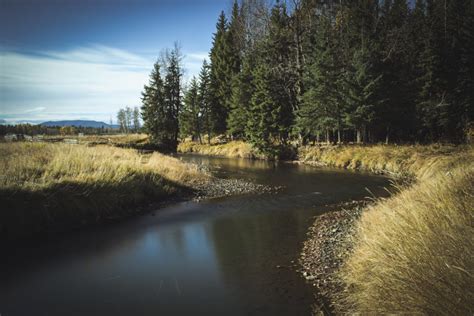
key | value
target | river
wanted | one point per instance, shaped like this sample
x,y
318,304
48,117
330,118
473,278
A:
x,y
224,256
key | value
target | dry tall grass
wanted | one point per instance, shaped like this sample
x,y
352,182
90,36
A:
x,y
414,252
416,160
43,185
235,149
115,139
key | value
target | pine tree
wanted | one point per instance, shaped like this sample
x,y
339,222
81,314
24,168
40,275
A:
x,y
283,74
465,80
161,101
432,97
225,66
153,108
262,125
234,40
362,83
172,94
221,78
205,100
320,111
190,116
242,91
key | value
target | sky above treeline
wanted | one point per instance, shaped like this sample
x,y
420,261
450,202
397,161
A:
x,y
85,59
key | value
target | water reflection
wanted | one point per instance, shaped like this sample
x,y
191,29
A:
x,y
215,257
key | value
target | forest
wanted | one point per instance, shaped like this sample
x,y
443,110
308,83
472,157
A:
x,y
304,71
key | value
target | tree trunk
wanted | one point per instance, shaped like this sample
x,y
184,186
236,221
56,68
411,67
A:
x,y
328,141
317,137
387,135
358,136
338,136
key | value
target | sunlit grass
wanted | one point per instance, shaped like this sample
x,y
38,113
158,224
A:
x,y
235,149
43,184
414,160
414,252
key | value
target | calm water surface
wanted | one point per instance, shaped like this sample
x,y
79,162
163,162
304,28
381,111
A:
x,y
216,257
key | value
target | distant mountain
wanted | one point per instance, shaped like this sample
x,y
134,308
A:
x,y
2,122
78,123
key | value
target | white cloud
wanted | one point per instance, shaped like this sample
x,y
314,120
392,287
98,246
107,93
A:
x,y
37,109
87,82
93,80
199,56
193,64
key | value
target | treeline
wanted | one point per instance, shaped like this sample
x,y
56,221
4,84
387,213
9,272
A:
x,y
128,120
334,71
33,130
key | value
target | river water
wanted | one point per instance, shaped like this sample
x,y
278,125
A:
x,y
224,256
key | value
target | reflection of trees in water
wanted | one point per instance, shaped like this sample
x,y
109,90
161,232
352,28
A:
x,y
249,249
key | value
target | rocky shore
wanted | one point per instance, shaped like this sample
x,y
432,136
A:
x,y
324,251
218,187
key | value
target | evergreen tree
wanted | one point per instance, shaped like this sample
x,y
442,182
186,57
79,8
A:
x,y
283,74
320,111
362,85
205,100
221,76
190,116
153,108
172,94
262,125
242,91
225,66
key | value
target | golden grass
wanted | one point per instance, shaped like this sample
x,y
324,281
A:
x,y
43,184
235,149
414,252
116,138
416,160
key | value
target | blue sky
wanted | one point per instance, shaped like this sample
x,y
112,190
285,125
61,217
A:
x,y
71,59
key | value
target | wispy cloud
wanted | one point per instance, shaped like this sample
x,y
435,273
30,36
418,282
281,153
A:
x,y
193,62
86,82
37,109
96,79
199,56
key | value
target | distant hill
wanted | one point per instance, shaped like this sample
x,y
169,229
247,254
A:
x,y
77,123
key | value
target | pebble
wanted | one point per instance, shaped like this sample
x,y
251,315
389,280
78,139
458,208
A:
x,y
326,247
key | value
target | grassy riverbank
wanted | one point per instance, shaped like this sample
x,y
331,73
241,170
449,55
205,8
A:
x,y
51,186
410,253
236,149
413,252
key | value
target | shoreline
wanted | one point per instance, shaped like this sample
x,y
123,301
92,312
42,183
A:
x,y
330,257
215,188
344,247
324,251
53,188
